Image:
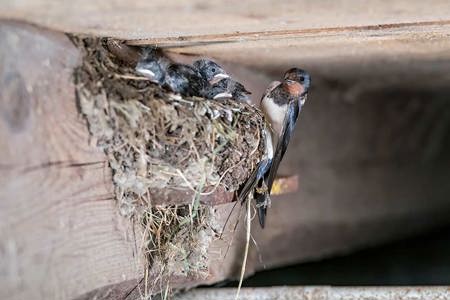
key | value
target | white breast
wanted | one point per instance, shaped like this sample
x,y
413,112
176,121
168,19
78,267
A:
x,y
269,144
274,113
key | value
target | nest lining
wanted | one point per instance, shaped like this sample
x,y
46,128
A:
x,y
155,140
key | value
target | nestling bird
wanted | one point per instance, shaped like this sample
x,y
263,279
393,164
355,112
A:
x,y
281,104
227,88
179,78
221,85
210,70
185,80
153,65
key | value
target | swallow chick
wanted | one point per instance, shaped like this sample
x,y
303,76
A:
x,y
153,65
185,80
220,84
281,104
179,78
210,70
227,88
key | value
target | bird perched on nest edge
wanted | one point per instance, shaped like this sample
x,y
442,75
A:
x,y
281,104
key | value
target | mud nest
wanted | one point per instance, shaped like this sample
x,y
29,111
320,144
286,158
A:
x,y
156,143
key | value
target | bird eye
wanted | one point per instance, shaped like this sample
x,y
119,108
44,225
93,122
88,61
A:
x,y
213,69
302,78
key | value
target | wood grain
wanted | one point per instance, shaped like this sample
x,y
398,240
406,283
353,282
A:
x,y
321,293
60,234
162,19
259,34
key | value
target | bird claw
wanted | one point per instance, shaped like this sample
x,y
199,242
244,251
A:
x,y
266,203
262,189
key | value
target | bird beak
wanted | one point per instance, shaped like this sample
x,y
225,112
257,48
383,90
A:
x,y
146,72
223,95
219,77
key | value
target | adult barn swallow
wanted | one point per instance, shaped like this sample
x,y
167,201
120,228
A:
x,y
281,103
282,106
179,78
221,85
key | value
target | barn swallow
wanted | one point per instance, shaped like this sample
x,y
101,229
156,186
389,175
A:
x,y
185,80
210,70
227,88
281,104
221,85
153,65
179,78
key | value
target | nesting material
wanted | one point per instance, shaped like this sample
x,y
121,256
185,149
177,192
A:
x,y
159,143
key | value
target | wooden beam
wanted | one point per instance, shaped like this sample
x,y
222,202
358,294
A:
x,y
162,19
393,29
60,232
259,34
321,293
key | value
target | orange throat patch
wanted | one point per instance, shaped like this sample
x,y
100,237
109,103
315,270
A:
x,y
293,88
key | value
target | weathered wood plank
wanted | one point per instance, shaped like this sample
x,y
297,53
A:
x,y
322,293
260,34
365,48
161,19
60,234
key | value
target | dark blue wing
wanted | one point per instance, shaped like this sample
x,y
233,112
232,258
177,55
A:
x,y
283,141
257,175
262,197
258,179
261,204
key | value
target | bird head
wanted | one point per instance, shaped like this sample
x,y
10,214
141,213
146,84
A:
x,y
298,81
152,70
210,70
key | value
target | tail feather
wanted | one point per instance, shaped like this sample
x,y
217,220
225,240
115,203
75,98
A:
x,y
260,172
261,204
249,185
262,211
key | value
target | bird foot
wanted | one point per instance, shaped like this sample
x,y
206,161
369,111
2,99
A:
x,y
267,203
262,189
